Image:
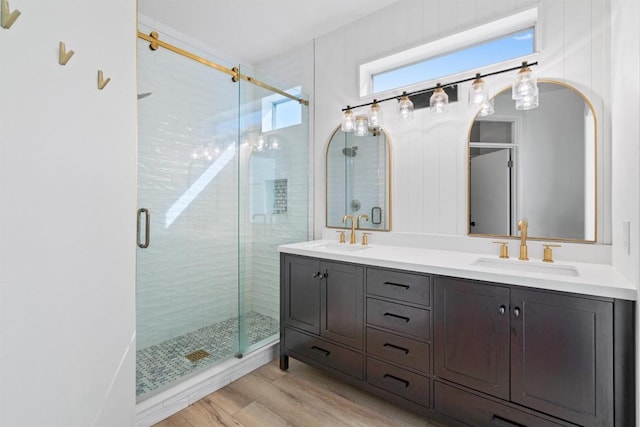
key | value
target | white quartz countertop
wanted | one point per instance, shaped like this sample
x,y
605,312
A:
x,y
582,278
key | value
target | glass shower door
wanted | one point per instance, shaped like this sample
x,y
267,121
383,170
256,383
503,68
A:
x,y
274,200
187,277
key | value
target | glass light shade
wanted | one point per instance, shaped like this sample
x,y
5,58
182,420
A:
x,y
439,101
362,126
487,108
528,102
375,116
477,92
405,108
348,122
525,85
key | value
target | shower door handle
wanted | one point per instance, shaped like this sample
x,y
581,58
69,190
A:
x,y
147,226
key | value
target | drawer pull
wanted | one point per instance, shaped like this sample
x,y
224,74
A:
x,y
397,316
397,285
322,351
396,348
395,379
501,422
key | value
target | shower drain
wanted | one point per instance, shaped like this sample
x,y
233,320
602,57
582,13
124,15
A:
x,y
197,355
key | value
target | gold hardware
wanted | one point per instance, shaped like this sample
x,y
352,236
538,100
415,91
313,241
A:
x,y
197,355
64,56
365,239
341,238
8,18
352,239
362,216
523,224
154,39
504,249
548,252
101,80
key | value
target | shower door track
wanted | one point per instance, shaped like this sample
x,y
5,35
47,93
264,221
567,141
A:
x,y
155,42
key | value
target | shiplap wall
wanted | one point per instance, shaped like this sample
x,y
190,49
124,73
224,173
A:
x,y
430,171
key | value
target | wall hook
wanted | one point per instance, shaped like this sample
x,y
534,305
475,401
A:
x,y
64,55
8,18
101,81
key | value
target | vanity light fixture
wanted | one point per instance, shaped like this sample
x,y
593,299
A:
x,y
375,116
348,121
478,94
362,126
525,87
487,108
405,107
439,101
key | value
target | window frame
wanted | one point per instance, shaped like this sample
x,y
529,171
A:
x,y
495,29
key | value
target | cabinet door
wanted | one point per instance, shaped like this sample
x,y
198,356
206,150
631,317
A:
x,y
343,303
562,356
471,335
301,284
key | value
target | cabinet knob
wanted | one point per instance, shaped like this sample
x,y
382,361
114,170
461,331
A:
x,y
516,311
502,309
319,275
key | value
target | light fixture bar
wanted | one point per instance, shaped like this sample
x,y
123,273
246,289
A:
x,y
420,91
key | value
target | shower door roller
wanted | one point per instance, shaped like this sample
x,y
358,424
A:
x,y
147,225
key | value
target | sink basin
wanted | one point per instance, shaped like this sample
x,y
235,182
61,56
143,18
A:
x,y
337,247
526,266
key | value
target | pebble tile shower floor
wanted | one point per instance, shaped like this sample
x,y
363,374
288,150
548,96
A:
x,y
162,365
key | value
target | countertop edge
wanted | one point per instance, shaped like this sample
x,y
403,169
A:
x,y
615,287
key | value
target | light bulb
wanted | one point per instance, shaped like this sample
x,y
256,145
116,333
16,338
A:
x,y
439,101
405,107
477,92
525,85
487,108
375,116
348,121
528,102
362,127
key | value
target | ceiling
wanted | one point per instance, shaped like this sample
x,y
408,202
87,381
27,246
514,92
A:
x,y
253,31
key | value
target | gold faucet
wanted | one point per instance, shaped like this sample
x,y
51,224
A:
x,y
366,218
522,226
352,239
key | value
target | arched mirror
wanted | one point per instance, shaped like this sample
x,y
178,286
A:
x,y
359,179
538,164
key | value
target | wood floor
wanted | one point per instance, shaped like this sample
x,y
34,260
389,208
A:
x,y
300,397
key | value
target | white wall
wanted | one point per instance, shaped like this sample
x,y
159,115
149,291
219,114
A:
x,y
625,134
430,172
67,216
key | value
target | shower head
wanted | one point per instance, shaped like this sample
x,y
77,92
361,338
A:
x,y
350,151
143,95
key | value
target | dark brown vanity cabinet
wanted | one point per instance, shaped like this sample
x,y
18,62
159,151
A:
x,y
550,352
322,312
465,352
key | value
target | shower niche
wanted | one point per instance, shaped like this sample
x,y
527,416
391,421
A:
x,y
358,173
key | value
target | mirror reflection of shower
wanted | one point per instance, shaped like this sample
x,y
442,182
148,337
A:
x,y
350,151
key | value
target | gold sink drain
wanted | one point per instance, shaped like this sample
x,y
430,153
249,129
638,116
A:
x,y
197,355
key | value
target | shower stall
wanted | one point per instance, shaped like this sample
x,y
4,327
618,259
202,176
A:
x,y
222,181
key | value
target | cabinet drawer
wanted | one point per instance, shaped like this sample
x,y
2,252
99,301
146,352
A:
x,y
401,350
398,381
406,287
477,411
401,318
344,360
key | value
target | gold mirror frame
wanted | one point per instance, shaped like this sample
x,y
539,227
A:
x,y
388,184
595,171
